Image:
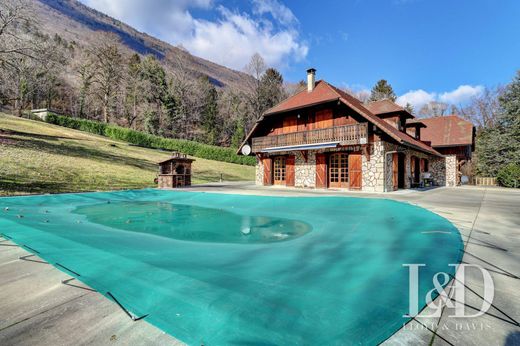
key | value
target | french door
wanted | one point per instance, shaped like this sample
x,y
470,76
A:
x,y
338,170
279,170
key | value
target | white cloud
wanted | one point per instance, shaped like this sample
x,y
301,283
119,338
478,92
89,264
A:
x,y
230,39
417,98
461,95
277,10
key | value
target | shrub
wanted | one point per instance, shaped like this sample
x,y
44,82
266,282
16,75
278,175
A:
x,y
146,140
509,175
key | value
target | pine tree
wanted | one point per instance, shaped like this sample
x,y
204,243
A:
x,y
409,107
209,114
382,90
509,120
239,134
499,145
271,90
155,90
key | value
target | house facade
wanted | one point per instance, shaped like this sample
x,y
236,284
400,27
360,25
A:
x,y
451,136
323,137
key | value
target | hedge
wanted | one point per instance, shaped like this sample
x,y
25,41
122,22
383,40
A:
x,y
146,140
509,175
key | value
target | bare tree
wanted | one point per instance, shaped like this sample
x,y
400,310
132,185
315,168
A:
x,y
483,109
256,68
433,108
107,64
16,21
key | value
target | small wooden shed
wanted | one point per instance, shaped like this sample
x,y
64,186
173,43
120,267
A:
x,y
175,172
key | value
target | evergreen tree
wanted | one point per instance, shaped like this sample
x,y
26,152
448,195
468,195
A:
x,y
271,90
409,107
209,114
239,134
499,145
382,90
133,89
155,93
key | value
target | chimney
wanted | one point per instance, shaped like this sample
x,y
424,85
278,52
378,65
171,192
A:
x,y
311,79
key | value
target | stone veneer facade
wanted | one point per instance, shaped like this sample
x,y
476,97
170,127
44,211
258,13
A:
x,y
374,167
451,170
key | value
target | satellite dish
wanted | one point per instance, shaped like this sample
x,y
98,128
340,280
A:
x,y
246,150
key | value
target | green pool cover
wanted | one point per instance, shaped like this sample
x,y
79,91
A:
x,y
222,269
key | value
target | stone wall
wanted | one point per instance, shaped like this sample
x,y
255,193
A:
x,y
451,170
259,176
372,168
438,170
305,172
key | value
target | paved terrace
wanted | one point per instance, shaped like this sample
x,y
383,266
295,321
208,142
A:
x,y
38,309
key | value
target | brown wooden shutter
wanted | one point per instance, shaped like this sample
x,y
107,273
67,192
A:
x,y
395,171
268,176
289,170
422,165
354,171
321,171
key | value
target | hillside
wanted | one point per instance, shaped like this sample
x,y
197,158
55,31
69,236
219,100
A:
x,y
36,157
77,22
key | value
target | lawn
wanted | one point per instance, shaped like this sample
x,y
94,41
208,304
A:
x,y
36,157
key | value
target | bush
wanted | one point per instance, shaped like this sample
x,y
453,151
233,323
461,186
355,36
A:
x,y
146,140
509,175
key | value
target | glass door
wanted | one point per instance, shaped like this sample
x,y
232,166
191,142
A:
x,y
338,170
279,170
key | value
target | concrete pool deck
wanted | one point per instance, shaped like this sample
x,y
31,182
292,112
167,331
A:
x,y
36,308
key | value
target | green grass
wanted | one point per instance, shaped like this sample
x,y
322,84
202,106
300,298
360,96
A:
x,y
36,157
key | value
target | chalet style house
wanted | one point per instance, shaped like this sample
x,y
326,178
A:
x,y
323,137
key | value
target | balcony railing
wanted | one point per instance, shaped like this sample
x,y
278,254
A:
x,y
346,135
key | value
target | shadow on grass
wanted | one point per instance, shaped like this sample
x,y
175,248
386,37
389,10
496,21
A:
x,y
19,187
74,150
32,135
11,187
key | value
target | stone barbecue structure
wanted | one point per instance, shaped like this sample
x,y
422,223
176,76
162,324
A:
x,y
323,137
175,172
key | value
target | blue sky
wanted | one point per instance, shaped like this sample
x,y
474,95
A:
x,y
428,50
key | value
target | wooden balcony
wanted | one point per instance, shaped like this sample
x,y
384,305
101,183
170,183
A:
x,y
345,135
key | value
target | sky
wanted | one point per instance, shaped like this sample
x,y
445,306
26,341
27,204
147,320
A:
x,y
428,50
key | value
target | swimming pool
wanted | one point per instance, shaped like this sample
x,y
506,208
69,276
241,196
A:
x,y
236,269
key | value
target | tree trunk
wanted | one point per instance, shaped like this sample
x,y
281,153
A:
x,y
105,109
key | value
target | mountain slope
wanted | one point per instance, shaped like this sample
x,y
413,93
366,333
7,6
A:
x,y
77,22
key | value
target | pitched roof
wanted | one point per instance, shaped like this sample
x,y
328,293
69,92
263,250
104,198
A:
x,y
320,94
386,106
445,131
325,92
